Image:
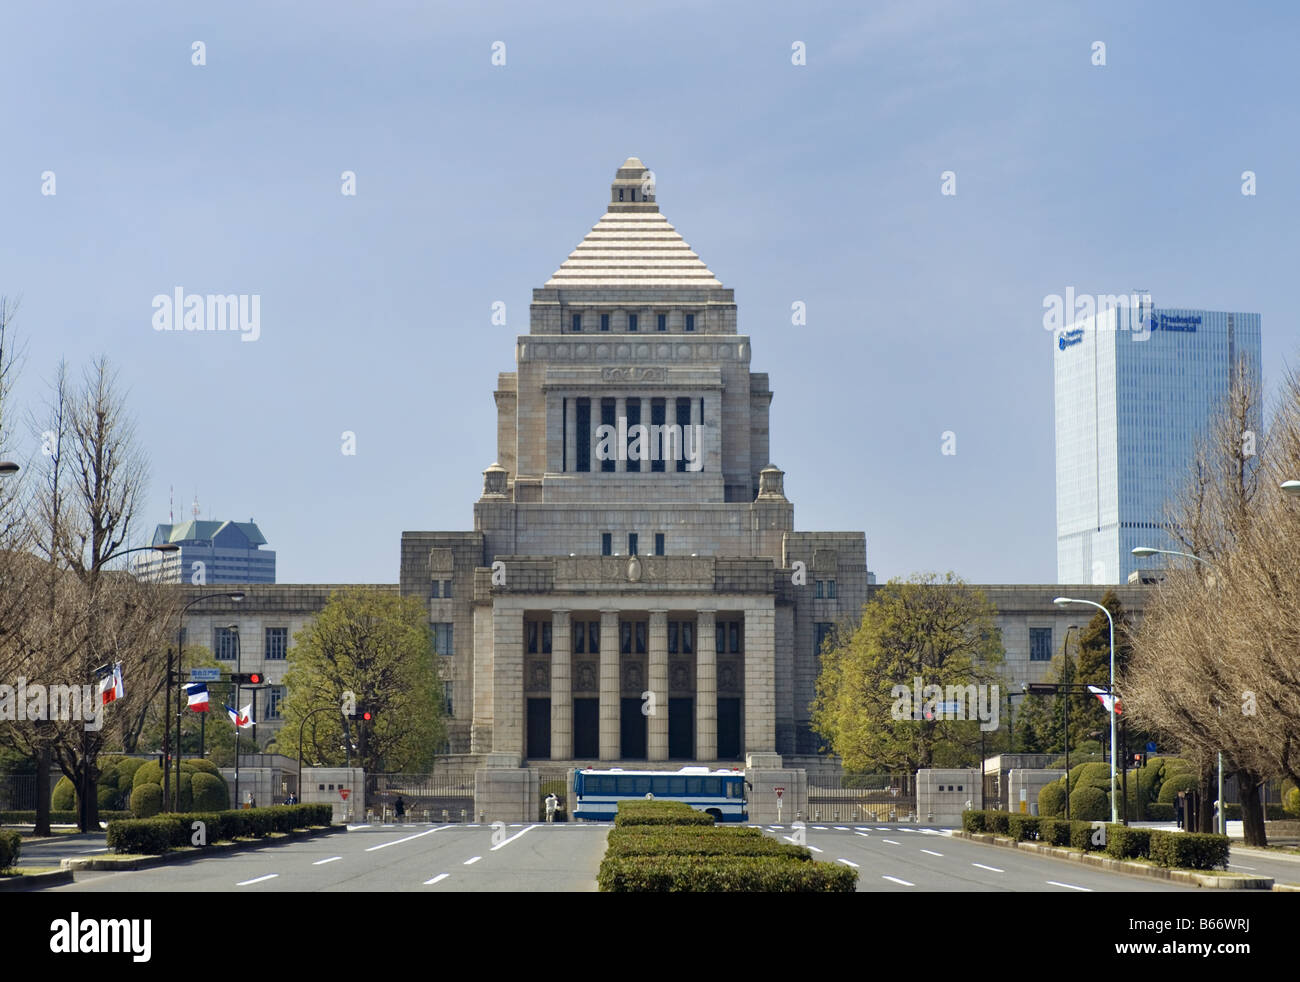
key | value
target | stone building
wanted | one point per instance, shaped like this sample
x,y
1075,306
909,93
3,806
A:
x,y
634,587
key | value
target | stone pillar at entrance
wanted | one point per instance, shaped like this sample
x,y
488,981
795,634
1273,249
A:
x,y
760,681
561,687
508,681
706,687
657,747
571,434
610,686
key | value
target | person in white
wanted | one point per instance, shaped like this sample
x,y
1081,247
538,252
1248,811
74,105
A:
x,y
551,803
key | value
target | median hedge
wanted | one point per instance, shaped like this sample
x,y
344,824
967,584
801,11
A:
x,y
152,836
717,874
1022,828
11,844
692,844
56,817
1127,842
655,812
1189,850
1053,832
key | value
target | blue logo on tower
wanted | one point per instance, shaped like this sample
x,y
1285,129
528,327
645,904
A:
x,y
1069,338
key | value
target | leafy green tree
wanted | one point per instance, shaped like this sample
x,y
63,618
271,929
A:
x,y
935,629
377,648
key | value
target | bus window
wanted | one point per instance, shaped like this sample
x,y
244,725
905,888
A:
x,y
733,789
676,785
641,785
694,785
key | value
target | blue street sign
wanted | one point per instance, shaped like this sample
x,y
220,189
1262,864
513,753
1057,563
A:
x,y
205,675
1151,746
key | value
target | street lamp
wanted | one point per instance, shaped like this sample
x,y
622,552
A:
x,y
1061,602
1291,487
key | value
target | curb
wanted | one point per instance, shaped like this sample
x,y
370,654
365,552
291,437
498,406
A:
x,y
35,881
167,859
1189,877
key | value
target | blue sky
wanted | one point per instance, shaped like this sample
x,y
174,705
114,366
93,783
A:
x,y
818,183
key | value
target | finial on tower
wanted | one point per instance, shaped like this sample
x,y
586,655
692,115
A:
x,y
633,188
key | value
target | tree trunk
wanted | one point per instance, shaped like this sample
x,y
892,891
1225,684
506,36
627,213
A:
x,y
42,790
1207,793
1252,810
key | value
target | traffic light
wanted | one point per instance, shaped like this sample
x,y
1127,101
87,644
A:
x,y
362,711
248,678
1139,760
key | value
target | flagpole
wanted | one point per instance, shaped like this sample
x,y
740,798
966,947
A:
x,y
239,651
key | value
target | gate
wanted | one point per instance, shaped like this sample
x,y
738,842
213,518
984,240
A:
x,y
424,798
863,798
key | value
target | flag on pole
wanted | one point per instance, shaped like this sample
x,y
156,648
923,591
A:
x,y
1105,698
112,688
243,718
198,697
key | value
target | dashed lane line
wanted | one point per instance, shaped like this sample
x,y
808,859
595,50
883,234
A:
x,y
398,842
932,853
894,879
471,861
260,879
991,869
1070,886
506,842
847,863
322,862
437,879
863,834
890,841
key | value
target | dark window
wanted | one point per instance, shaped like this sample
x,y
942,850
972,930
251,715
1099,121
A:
x,y
631,543
607,419
733,634
817,594
606,543
225,643
1040,644
579,637
634,419
657,409
583,424
447,697
721,631
830,590
690,322
546,637
277,643
625,637
631,323
593,637
820,631
662,320
446,589
640,637
436,587
659,543
442,638
672,637
530,632
604,322
275,698
620,194
684,421
577,323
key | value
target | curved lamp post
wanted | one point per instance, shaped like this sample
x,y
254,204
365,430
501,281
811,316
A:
x,y
1061,602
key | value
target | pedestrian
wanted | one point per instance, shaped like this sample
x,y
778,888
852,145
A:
x,y
292,799
400,808
1180,807
551,803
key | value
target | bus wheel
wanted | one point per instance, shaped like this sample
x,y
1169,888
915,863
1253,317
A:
x,y
717,815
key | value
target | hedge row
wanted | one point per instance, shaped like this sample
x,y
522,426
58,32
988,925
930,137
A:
x,y
662,847
655,812
56,817
11,844
1179,849
152,836
732,874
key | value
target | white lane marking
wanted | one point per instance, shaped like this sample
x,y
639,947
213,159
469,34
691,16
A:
x,y
881,828
790,838
840,828
436,879
353,828
863,834
1070,886
507,842
861,828
776,827
894,879
820,828
322,862
847,863
471,861
249,883
398,842
1232,865
991,869
933,853
813,848
86,852
890,841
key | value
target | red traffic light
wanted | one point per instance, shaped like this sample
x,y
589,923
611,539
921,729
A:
x,y
366,716
255,678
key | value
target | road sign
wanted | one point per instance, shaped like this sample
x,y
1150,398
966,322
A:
x,y
1151,747
344,793
779,792
205,675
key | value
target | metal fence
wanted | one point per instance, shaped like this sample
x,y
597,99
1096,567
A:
x,y
18,792
557,781
423,798
877,798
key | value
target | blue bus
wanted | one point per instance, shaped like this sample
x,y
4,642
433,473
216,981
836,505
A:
x,y
720,793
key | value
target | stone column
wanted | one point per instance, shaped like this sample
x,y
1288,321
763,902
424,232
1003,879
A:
x,y
481,726
610,687
508,681
570,434
697,448
657,743
620,412
706,687
760,681
561,687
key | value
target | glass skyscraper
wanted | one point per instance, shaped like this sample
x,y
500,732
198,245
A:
x,y
1134,389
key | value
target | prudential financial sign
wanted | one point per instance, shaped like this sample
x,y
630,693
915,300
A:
x,y
1182,323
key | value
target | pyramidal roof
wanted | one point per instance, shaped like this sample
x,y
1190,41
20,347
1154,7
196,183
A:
x,y
632,244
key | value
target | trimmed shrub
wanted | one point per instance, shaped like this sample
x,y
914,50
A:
x,y
209,792
1053,832
199,764
1023,828
148,836
1188,850
702,831
1169,788
656,812
1051,800
690,844
11,844
714,874
146,800
1157,812
1089,804
147,773
1292,806
57,817
1273,812
64,797
153,836
998,822
1084,836
974,821
1127,842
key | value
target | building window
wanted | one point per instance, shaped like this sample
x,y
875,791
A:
x,y
661,322
727,637
274,701
631,543
579,631
446,589
830,590
546,637
447,698
821,630
631,637
659,543
577,323
435,592
817,592
607,408
530,634
690,322
631,323
442,638
277,643
225,643
681,637
606,543
1040,644
604,322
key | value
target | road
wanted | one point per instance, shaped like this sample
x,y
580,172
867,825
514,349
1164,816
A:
x,y
565,857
